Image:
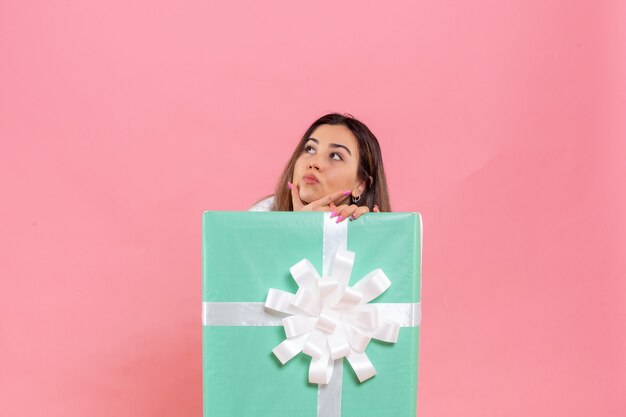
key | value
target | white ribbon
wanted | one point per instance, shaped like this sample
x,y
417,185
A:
x,y
329,320
326,318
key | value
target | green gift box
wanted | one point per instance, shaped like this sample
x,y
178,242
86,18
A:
x,y
245,254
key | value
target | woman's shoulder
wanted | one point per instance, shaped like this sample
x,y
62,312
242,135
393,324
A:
x,y
267,204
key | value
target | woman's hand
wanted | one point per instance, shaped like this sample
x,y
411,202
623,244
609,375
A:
x,y
323,204
351,211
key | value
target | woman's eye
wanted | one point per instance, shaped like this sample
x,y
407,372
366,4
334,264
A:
x,y
309,149
336,156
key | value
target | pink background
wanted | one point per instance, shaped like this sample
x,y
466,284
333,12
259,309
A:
x,y
502,122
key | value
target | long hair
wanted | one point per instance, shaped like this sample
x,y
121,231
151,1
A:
x,y
370,171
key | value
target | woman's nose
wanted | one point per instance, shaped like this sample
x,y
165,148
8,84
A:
x,y
314,164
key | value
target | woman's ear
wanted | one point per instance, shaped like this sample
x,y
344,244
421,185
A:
x,y
360,188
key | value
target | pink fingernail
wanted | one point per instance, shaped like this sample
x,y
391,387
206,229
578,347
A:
x,y
347,192
289,184
352,217
340,218
333,214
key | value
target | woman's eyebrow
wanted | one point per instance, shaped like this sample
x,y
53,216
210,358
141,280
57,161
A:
x,y
336,145
333,145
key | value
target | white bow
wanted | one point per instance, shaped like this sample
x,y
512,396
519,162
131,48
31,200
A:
x,y
329,320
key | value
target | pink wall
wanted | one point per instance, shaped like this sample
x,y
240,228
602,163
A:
x,y
501,121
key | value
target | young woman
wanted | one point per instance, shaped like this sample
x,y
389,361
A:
x,y
337,166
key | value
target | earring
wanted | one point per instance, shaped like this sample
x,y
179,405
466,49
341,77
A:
x,y
356,199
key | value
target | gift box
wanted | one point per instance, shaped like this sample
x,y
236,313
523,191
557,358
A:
x,y
250,258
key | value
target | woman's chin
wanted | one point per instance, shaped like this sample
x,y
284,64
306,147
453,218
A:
x,y
307,197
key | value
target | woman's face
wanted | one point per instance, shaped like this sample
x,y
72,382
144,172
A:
x,y
328,163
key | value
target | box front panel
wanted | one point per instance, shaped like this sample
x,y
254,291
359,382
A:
x,y
244,255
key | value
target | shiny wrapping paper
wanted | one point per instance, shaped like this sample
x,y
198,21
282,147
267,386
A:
x,y
244,255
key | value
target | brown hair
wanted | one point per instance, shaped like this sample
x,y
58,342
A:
x,y
370,170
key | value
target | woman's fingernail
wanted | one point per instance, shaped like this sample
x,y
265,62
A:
x,y
333,214
375,207
347,192
352,217
340,218
289,185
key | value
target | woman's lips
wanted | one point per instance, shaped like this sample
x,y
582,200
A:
x,y
310,179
